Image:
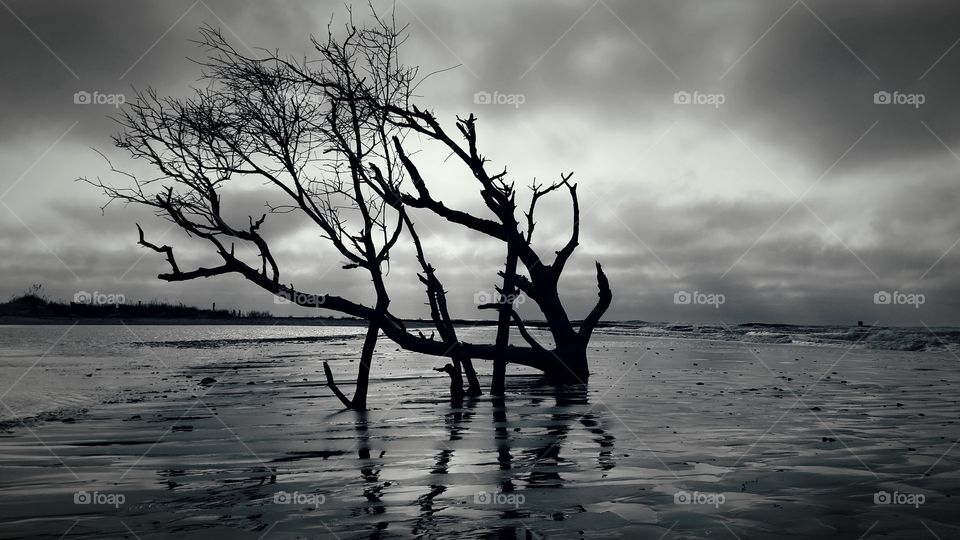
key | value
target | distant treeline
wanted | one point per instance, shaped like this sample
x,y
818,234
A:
x,y
33,306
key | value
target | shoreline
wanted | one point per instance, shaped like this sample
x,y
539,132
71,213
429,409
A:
x,y
893,338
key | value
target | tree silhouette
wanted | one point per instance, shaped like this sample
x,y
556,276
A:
x,y
329,135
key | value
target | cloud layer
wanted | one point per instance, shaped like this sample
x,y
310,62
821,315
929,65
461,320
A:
x,y
797,197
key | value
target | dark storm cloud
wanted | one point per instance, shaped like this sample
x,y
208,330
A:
x,y
803,86
57,49
675,198
802,74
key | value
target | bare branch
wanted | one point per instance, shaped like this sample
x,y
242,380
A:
x,y
571,244
521,326
606,296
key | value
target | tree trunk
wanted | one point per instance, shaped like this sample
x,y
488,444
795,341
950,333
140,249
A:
x,y
359,401
507,294
473,384
570,366
363,375
456,382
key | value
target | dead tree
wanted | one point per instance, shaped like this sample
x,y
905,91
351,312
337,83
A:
x,y
567,361
328,135
255,121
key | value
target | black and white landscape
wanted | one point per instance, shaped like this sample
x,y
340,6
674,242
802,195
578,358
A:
x,y
423,269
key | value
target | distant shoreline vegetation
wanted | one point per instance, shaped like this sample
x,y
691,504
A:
x,y
33,307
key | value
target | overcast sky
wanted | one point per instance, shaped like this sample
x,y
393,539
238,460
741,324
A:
x,y
783,186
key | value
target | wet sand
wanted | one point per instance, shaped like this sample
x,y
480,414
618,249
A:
x,y
671,439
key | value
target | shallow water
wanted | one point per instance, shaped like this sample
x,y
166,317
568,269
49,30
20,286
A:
x,y
59,369
893,338
766,440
